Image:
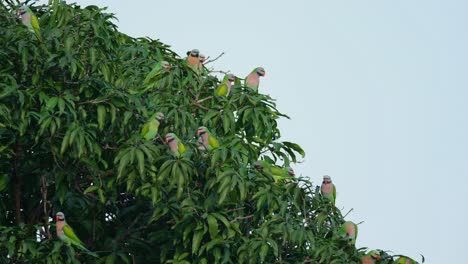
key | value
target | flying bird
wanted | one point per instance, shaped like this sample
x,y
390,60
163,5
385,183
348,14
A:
x,y
150,129
67,235
30,20
224,88
207,140
328,189
175,144
349,230
253,79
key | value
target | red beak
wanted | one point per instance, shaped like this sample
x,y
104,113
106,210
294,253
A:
x,y
377,258
56,218
264,74
198,132
167,140
168,67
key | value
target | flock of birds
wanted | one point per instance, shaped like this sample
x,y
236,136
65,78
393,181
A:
x,y
207,142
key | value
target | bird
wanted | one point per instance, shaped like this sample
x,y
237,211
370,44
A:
x,y
349,230
150,129
328,189
207,140
159,68
193,59
371,257
202,59
67,235
253,79
30,20
224,88
276,172
175,144
405,260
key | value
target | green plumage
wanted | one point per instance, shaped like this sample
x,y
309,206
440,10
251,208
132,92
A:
x,y
150,129
276,172
30,20
349,230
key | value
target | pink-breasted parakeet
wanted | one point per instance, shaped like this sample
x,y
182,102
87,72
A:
x,y
175,144
30,20
276,172
224,88
328,189
193,60
405,260
372,257
150,129
67,235
202,59
207,140
349,230
253,79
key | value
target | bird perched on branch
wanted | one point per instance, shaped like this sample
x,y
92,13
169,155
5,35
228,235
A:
x,y
207,140
30,20
175,144
67,235
150,129
276,172
349,230
252,80
328,189
193,60
224,88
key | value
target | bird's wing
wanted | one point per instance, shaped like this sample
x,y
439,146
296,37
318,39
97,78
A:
x,y
68,231
213,142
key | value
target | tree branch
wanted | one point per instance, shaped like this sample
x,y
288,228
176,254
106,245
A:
x,y
17,182
44,202
215,59
241,218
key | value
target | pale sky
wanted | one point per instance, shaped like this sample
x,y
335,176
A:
x,y
376,92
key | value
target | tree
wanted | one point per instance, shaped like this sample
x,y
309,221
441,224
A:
x,y
72,104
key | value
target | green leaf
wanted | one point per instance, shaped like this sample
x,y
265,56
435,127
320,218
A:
x,y
101,115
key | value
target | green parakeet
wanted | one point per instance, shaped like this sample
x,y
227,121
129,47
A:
x,y
349,230
67,235
276,172
207,140
193,60
405,260
224,88
253,79
372,257
328,189
30,20
150,129
175,144
159,68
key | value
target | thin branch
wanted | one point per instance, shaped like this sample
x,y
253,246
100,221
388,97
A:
x,y
44,202
200,106
235,209
242,218
204,99
17,182
219,56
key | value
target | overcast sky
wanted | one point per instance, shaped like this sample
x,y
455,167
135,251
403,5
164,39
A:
x,y
376,92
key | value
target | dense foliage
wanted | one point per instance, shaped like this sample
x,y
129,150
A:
x,y
72,106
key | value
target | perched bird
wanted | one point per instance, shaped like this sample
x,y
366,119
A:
x,y
405,260
349,230
224,88
276,172
207,140
371,257
253,79
159,68
328,189
66,234
193,59
175,144
150,129
30,20
202,60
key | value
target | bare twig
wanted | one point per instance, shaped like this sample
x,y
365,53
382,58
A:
x,y
200,106
204,99
220,71
44,202
241,218
219,56
235,209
